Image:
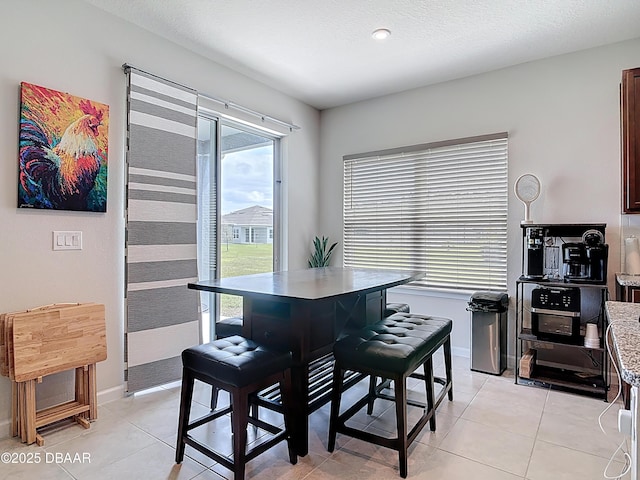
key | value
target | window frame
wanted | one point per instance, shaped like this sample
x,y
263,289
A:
x,y
278,201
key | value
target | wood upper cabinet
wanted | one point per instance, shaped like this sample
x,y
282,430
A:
x,y
630,121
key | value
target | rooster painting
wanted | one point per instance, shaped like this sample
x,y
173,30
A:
x,y
63,151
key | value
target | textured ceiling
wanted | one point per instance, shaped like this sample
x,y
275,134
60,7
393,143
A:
x,y
321,51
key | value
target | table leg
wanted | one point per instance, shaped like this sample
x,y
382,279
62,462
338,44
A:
x,y
300,387
22,412
30,411
92,392
14,409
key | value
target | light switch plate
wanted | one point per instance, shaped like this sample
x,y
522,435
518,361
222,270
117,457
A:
x,y
67,240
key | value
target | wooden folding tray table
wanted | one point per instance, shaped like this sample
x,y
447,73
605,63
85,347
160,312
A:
x,y
49,340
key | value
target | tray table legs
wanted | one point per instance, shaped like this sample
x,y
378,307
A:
x,y
26,419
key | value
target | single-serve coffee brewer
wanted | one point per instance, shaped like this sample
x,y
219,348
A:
x,y
586,261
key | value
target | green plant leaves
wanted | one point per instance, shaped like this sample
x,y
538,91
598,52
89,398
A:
x,y
321,256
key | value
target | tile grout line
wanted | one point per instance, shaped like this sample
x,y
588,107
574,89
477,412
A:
x,y
535,438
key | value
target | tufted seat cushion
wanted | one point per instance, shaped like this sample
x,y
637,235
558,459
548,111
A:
x,y
398,344
235,360
392,308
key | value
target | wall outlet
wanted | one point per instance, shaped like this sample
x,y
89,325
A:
x,y
67,240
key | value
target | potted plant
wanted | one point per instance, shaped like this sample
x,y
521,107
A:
x,y
321,255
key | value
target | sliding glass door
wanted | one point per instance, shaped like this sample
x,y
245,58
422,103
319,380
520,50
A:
x,y
237,221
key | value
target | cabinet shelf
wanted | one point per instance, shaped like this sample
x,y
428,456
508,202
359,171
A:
x,y
545,282
566,379
526,336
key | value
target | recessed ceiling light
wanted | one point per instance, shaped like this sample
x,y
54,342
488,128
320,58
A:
x,y
381,34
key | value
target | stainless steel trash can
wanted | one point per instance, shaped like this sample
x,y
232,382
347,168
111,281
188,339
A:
x,y
489,331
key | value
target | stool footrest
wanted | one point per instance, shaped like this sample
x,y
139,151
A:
x,y
202,448
265,426
444,392
207,418
370,437
391,398
249,455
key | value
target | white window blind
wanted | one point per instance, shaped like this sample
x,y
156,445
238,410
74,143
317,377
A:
x,y
438,208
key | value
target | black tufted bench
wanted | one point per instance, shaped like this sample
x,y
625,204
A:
x,y
228,327
392,308
392,349
240,367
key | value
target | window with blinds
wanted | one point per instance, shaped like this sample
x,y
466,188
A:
x,y
440,208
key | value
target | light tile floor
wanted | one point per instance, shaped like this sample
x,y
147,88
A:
x,y
493,430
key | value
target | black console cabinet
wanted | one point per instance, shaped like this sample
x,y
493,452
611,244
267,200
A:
x,y
552,313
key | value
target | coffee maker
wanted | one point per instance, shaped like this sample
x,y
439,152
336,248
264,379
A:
x,y
597,255
575,262
535,253
586,261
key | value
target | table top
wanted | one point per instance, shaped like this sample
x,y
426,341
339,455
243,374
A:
x,y
310,283
625,330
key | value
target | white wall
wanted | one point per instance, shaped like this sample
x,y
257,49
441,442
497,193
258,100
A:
x,y
71,46
562,115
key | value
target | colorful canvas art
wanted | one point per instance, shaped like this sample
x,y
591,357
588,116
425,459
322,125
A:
x,y
63,151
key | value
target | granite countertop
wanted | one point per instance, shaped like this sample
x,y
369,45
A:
x,y
628,280
625,331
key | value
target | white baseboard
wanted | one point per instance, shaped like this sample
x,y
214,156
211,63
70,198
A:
x,y
461,352
110,394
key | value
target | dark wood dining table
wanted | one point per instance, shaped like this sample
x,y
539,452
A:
x,y
304,311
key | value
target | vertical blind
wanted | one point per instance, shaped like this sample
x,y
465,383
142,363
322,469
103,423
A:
x,y
437,208
162,314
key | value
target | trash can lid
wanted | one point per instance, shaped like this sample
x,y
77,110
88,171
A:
x,y
489,298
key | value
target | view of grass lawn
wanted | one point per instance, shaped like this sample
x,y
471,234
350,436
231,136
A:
x,y
242,259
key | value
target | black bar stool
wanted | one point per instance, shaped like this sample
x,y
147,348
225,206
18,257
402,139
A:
x,y
240,367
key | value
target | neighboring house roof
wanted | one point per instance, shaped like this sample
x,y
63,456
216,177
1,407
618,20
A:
x,y
256,216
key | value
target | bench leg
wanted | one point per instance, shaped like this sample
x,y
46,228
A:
x,y
372,393
429,385
447,364
400,386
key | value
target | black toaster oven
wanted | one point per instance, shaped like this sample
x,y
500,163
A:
x,y
555,314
